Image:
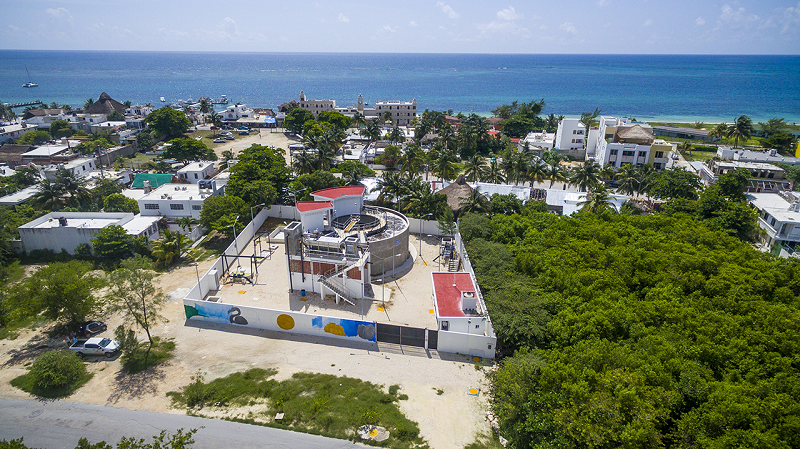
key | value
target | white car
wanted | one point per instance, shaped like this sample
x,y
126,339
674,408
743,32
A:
x,y
96,346
218,140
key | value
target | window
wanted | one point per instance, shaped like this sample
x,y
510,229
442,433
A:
x,y
477,326
445,325
658,166
195,176
150,206
628,153
574,131
174,206
197,207
659,154
614,152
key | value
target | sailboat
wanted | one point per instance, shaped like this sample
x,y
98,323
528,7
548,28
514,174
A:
x,y
29,83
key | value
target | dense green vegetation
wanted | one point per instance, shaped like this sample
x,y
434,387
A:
x,y
315,403
638,331
54,374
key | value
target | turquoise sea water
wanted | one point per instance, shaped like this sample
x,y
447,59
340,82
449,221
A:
x,y
671,87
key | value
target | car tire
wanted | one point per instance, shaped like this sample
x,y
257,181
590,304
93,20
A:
x,y
79,354
109,355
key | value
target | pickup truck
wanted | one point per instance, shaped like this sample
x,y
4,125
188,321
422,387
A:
x,y
95,346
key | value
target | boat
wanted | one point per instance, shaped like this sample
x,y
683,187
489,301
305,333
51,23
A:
x,y
223,99
29,83
163,100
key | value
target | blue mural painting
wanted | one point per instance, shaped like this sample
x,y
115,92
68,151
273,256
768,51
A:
x,y
346,328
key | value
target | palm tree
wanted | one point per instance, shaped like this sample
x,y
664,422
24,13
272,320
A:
x,y
205,106
444,167
446,135
216,119
72,187
607,172
555,174
358,120
305,162
476,168
170,246
89,102
628,175
50,195
597,200
411,161
585,176
742,128
226,156
644,175
397,136
720,131
373,129
537,171
494,173
392,186
475,202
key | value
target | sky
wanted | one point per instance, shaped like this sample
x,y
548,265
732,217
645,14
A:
x,y
407,26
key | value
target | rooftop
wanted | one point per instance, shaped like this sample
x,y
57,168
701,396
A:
x,y
177,192
338,192
308,206
775,204
196,166
20,196
140,223
447,290
88,220
156,180
47,150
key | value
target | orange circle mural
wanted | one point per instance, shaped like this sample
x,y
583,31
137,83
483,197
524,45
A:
x,y
285,322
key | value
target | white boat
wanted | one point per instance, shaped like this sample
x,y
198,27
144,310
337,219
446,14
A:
x,y
163,100
29,83
223,99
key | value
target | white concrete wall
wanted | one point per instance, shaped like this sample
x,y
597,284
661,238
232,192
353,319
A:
x,y
468,344
428,227
314,220
281,211
56,238
347,205
280,320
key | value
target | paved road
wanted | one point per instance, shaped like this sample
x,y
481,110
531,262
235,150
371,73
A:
x,y
60,424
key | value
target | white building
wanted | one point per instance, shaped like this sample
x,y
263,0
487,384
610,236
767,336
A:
x,y
570,135
403,112
80,167
779,217
316,106
15,131
139,110
58,231
620,142
769,156
176,200
196,171
542,140
460,318
236,111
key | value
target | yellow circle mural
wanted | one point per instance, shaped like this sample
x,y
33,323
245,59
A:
x,y
285,322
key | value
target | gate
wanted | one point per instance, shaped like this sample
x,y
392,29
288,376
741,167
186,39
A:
x,y
433,339
401,335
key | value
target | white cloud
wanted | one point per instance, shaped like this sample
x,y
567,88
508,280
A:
x,y
647,23
508,28
447,10
412,24
568,27
508,14
343,18
731,14
543,27
700,21
603,2
60,13
228,27
388,29
789,17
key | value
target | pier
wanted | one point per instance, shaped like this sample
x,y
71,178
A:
x,y
20,105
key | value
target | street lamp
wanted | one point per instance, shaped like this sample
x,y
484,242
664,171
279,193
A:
x,y
234,236
251,214
197,272
420,232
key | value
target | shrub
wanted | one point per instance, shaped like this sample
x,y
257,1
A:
x,y
57,369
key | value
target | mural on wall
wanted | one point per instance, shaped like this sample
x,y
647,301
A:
x,y
280,320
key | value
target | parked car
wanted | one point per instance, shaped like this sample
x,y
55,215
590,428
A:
x,y
90,328
244,133
219,140
95,346
229,137
244,127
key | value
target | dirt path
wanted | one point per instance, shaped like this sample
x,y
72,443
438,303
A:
x,y
449,420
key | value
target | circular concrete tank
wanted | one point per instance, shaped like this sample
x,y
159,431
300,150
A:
x,y
389,247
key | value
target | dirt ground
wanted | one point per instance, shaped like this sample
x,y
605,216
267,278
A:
x,y
266,137
449,420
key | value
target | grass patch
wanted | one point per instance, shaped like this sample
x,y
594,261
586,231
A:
x,y
214,243
139,359
11,330
25,383
320,404
700,156
484,441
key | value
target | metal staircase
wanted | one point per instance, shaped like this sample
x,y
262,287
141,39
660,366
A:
x,y
453,265
333,281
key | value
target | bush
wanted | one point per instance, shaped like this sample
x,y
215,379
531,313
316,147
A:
x,y
142,356
56,369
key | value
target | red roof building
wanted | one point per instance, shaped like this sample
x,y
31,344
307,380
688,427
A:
x,y
338,192
447,292
308,206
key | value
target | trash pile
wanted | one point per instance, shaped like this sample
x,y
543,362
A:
x,y
375,433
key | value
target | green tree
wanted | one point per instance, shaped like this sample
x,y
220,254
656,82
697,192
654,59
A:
x,y
720,131
373,129
215,207
447,222
118,202
49,195
772,126
475,202
167,122
475,168
187,150
259,175
144,140
781,141
505,204
353,172
390,157
733,184
34,137
742,128
335,118
444,165
61,128
598,200
170,247
585,176
675,183
316,181
59,291
111,243
133,291
296,119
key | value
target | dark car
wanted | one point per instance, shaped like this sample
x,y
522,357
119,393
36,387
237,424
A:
x,y
244,133
90,328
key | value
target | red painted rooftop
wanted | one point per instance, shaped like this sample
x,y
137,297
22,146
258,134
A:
x,y
308,206
448,297
338,192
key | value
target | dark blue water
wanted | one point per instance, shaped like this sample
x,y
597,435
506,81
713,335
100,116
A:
x,y
678,87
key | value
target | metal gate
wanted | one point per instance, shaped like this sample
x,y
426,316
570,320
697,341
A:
x,y
401,335
433,339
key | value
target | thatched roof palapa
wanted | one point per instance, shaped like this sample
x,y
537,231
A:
x,y
634,134
456,193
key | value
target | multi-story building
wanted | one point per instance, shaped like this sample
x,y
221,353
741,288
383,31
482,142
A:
x,y
621,142
196,171
316,106
779,217
765,178
402,112
570,136
177,200
80,167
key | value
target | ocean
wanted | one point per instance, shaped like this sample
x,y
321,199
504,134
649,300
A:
x,y
685,88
